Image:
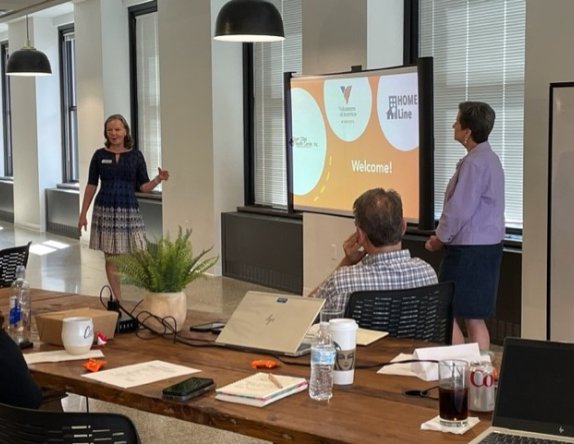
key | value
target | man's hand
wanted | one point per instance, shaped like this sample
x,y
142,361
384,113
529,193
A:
x,y
433,243
354,252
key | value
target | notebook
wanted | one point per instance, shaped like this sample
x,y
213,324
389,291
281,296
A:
x,y
535,391
260,389
270,322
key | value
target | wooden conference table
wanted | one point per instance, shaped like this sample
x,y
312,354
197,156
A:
x,y
372,410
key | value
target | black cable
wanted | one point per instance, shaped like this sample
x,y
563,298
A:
x,y
421,393
357,366
169,329
110,298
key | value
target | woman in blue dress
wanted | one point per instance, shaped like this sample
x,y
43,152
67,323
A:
x,y
117,225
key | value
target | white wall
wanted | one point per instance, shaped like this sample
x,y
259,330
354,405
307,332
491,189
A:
x,y
36,145
227,121
102,75
549,43
201,114
334,35
384,40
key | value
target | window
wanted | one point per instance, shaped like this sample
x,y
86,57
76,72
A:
x,y
478,49
270,61
144,66
6,112
69,106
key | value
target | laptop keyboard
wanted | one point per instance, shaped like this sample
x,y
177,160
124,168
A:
x,y
503,438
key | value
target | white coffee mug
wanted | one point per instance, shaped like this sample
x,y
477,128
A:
x,y
344,335
77,334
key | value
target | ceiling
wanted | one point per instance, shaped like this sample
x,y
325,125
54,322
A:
x,y
10,5
12,9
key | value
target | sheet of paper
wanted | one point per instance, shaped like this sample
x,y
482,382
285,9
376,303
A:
x,y
398,369
427,371
140,374
59,356
364,336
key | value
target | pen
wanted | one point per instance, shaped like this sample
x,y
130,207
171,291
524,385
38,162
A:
x,y
275,381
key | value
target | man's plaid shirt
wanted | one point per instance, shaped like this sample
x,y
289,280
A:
x,y
393,270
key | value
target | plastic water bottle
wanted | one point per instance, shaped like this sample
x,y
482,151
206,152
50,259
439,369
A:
x,y
20,315
322,362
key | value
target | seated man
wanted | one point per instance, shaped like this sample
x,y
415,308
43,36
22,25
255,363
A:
x,y
17,387
374,258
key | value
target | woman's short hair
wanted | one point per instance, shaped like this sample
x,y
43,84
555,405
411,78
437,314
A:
x,y
478,117
379,214
128,140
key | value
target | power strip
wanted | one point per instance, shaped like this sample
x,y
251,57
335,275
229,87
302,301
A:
x,y
127,325
123,325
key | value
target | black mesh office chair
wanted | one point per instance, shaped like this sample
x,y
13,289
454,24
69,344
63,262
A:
x,y
25,426
10,258
419,313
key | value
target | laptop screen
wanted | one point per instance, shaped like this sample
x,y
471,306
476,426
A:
x,y
536,387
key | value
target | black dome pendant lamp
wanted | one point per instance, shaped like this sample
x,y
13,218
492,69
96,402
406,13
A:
x,y
249,21
28,61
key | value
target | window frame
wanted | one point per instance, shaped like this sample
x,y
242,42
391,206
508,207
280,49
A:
x,y
69,107
133,13
6,112
250,145
451,150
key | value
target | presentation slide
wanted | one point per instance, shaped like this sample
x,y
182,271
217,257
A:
x,y
352,132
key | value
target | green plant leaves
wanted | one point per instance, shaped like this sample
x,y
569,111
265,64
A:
x,y
165,266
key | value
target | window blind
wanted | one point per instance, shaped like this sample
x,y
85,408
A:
x,y
478,50
147,67
270,61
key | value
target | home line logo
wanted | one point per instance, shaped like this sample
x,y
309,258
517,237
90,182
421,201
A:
x,y
397,104
346,90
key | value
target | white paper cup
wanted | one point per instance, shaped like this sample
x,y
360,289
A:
x,y
344,336
77,334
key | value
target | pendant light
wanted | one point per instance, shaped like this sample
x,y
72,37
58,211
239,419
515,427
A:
x,y
249,21
28,61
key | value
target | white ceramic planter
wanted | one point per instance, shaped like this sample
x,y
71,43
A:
x,y
167,306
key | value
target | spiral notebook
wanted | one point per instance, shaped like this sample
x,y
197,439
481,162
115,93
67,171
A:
x,y
261,389
272,323
534,396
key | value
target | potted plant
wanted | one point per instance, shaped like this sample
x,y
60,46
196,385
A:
x,y
164,268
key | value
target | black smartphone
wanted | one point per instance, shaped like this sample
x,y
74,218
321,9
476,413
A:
x,y
213,326
184,390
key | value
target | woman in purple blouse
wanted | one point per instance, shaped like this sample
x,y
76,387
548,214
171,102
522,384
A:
x,y
471,228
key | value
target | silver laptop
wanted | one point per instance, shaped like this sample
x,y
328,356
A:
x,y
535,393
273,323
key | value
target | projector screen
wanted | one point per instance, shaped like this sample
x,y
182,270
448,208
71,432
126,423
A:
x,y
349,132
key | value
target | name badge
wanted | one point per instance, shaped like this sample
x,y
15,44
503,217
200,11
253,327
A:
x,y
106,160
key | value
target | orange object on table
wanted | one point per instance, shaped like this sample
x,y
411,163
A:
x,y
93,364
264,363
